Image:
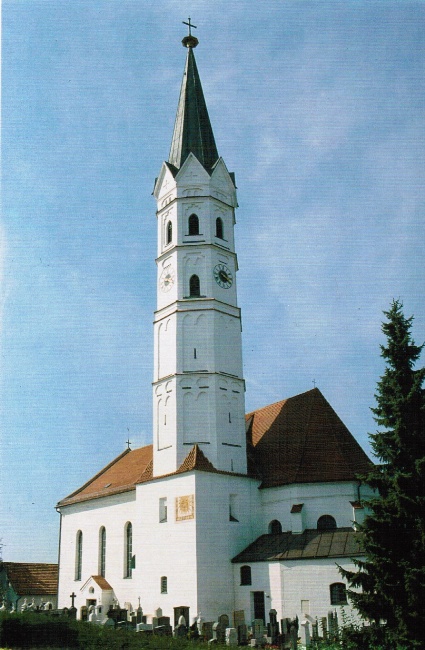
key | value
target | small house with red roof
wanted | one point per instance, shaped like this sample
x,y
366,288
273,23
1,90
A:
x,y
28,585
224,512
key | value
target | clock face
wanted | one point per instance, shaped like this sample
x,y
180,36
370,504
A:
x,y
166,279
223,276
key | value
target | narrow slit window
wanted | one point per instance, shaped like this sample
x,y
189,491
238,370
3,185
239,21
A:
x,y
194,286
102,551
194,353
129,560
219,228
169,236
164,585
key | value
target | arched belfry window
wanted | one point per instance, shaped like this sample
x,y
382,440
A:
x,y
169,235
128,563
275,527
78,555
194,286
219,228
102,551
326,522
246,575
193,225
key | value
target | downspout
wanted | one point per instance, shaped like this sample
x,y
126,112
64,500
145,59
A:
x,y
59,554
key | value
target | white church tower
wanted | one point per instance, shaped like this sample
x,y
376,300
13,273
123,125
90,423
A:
x,y
198,388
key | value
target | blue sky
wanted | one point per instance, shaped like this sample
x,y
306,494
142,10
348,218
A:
x,y
318,107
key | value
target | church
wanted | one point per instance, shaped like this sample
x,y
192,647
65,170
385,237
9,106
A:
x,y
225,511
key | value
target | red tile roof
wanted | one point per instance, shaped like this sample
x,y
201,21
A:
x,y
32,578
121,475
302,440
298,440
103,584
340,542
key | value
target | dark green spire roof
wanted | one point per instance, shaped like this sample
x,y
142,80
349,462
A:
x,y
192,129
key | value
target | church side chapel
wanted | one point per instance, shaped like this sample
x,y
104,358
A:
x,y
225,516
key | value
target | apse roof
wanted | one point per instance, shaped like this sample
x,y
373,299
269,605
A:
x,y
297,440
31,578
302,440
192,128
311,544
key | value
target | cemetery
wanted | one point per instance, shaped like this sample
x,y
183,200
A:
x,y
44,627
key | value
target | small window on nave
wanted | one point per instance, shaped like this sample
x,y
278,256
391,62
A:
x,y
246,578
338,593
164,584
275,527
193,225
326,522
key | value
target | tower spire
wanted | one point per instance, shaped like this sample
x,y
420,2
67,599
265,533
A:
x,y
192,128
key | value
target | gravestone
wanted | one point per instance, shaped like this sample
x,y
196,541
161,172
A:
x,y
231,636
242,634
207,630
305,633
139,614
273,627
258,631
238,617
164,627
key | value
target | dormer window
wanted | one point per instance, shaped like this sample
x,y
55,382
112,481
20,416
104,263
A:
x,y
194,287
193,225
169,235
219,228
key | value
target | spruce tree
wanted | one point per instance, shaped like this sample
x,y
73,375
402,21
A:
x,y
391,578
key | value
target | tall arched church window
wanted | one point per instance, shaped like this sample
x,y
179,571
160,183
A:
x,y
338,593
128,564
246,575
78,555
169,236
102,551
275,527
193,225
194,286
326,522
219,228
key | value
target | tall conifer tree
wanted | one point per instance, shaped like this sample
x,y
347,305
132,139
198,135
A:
x,y
392,576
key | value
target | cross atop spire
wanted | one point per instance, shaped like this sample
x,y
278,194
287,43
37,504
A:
x,y
190,41
189,24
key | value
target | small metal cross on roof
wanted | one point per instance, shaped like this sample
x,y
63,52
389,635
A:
x,y
128,443
190,25
314,383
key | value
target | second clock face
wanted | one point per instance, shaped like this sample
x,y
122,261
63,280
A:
x,y
223,276
166,279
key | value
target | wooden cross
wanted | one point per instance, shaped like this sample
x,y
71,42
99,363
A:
x,y
128,443
73,597
190,25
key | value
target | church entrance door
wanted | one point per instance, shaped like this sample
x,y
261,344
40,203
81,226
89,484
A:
x,y
259,606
